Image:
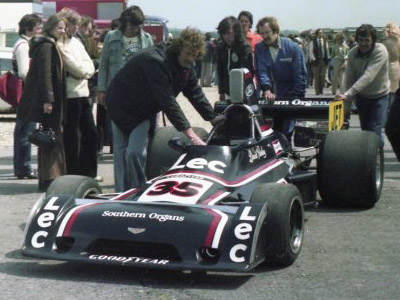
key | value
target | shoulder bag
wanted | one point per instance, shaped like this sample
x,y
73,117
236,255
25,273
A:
x,y
11,88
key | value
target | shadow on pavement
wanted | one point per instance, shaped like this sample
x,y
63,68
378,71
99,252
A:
x,y
7,160
320,207
11,188
151,278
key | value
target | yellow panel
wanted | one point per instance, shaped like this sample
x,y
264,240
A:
x,y
336,115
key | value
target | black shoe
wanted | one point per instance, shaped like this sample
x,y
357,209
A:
x,y
27,176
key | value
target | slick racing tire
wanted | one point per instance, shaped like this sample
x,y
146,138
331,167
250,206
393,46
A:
x,y
76,185
160,157
350,169
284,228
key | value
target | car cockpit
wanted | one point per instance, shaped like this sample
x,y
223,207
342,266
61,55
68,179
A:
x,y
243,117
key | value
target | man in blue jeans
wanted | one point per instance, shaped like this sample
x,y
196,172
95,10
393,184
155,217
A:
x,y
367,80
393,125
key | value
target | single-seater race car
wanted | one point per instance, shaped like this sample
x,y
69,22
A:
x,y
227,206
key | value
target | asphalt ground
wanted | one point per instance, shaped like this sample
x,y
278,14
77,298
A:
x,y
347,254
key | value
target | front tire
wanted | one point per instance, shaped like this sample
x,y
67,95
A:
x,y
284,223
351,169
76,185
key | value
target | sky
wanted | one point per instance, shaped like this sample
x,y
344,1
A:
x,y
291,14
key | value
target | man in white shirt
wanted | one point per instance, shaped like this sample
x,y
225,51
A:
x,y
29,26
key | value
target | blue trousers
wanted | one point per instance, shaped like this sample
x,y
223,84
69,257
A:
x,y
393,125
373,113
22,147
130,151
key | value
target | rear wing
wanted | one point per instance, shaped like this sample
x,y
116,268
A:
x,y
243,91
300,109
306,109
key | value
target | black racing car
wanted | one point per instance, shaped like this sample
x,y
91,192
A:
x,y
230,205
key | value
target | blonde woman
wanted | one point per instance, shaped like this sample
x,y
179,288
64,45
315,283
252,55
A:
x,y
80,134
392,44
340,52
44,103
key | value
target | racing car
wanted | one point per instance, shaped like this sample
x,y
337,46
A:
x,y
228,206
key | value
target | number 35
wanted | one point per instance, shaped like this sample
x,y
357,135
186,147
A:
x,y
183,189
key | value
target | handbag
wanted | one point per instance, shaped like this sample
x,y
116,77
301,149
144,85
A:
x,y
44,137
11,88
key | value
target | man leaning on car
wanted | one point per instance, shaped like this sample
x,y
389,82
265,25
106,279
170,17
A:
x,y
148,84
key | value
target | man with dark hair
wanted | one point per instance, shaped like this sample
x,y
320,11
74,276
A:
x,y
118,47
246,21
280,68
29,26
367,79
232,53
133,15
319,55
146,85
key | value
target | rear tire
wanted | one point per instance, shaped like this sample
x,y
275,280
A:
x,y
350,169
284,222
160,157
76,185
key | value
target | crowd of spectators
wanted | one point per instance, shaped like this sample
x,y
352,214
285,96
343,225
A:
x,y
56,96
65,73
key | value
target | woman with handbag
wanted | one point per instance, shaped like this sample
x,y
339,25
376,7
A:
x,y
29,26
44,96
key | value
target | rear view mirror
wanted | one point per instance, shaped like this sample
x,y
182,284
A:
x,y
177,144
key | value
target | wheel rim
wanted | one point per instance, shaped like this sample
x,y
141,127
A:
x,y
378,170
296,224
91,191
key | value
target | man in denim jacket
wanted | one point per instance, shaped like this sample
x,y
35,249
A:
x,y
118,47
115,53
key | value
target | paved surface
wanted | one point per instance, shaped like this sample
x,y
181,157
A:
x,y
347,254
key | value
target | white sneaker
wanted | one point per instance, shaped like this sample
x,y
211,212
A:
x,y
98,178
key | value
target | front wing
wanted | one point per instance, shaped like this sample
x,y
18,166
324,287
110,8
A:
x,y
162,235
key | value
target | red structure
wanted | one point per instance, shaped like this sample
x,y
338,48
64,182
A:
x,y
103,11
97,9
